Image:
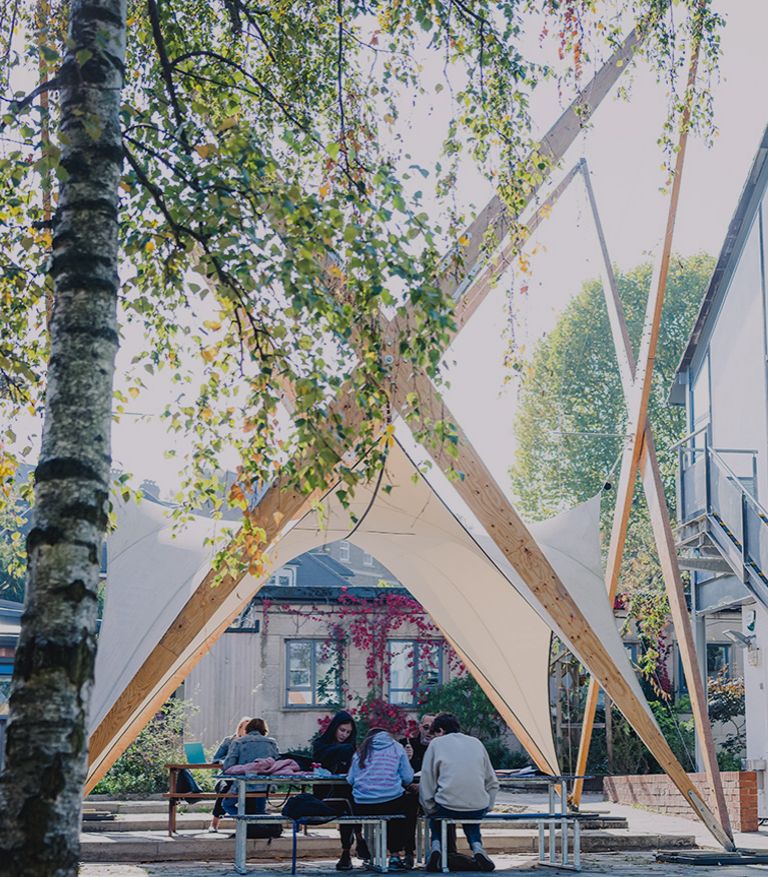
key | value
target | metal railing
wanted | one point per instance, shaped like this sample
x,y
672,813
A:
x,y
726,494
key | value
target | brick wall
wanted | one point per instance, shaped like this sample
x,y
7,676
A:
x,y
657,792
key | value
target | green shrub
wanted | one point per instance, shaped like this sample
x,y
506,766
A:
x,y
141,768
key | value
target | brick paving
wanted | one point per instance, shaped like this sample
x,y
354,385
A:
x,y
615,864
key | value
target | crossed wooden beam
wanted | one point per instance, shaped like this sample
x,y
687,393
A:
x,y
210,609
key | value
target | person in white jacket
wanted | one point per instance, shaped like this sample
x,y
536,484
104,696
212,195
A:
x,y
457,780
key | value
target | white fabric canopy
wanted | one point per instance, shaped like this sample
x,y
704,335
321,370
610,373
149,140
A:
x,y
152,570
460,577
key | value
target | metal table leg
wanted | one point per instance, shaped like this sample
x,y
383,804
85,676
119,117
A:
x,y
564,823
577,844
444,845
241,829
552,841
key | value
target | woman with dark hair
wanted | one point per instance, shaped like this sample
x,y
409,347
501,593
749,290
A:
x,y
378,776
333,750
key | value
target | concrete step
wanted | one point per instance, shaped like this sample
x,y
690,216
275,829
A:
x,y
143,806
106,847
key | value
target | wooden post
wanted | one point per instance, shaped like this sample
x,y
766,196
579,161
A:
x,y
665,543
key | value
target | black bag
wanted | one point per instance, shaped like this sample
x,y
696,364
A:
x,y
303,761
305,806
185,782
460,862
264,830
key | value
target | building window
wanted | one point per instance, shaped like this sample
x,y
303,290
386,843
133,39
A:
x,y
718,661
367,559
414,669
313,673
633,653
283,578
344,553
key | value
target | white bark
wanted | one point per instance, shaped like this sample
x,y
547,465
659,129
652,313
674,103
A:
x,y
46,749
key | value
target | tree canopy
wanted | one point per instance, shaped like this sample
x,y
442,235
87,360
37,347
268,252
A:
x,y
572,416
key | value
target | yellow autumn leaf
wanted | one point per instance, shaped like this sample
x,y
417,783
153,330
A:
x,y
133,392
463,241
206,413
209,354
205,149
213,325
324,190
149,246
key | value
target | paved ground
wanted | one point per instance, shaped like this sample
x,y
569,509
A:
x,y
617,865
646,822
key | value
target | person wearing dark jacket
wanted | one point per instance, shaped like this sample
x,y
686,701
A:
x,y
416,745
333,750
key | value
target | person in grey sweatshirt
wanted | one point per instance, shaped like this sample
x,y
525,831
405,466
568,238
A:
x,y
379,773
252,746
457,780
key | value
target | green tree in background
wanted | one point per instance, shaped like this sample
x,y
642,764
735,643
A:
x,y
572,415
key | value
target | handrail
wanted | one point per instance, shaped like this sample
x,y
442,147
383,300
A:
x,y
737,479
688,437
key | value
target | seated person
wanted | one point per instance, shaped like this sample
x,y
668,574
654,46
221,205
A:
x,y
457,780
253,745
224,785
415,746
334,750
378,776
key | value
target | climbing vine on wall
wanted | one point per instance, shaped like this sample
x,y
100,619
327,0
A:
x,y
367,624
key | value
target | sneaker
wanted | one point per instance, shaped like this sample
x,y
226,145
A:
x,y
484,863
212,830
434,862
408,861
396,864
345,862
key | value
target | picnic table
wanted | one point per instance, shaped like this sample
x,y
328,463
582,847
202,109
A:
x,y
555,818
300,781
174,796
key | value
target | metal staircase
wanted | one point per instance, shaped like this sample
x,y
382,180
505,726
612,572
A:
x,y
723,529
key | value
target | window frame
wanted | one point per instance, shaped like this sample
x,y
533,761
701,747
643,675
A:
x,y
314,703
682,685
416,670
274,580
345,551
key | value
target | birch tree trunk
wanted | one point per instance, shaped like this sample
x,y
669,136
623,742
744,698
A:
x,y
46,748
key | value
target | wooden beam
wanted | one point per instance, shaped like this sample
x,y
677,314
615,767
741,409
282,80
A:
x,y
196,630
493,222
487,501
665,543
637,399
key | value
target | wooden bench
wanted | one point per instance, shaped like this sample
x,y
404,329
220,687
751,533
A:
x,y
551,820
375,827
174,796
